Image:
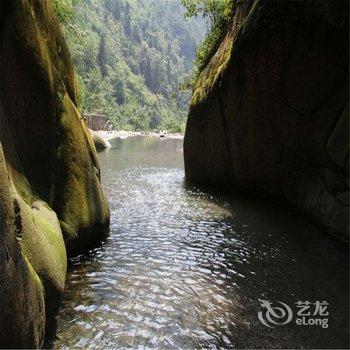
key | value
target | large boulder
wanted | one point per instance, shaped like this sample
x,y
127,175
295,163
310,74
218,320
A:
x,y
51,200
99,141
269,113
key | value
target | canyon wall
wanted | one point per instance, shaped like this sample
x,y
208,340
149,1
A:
x,y
52,203
269,113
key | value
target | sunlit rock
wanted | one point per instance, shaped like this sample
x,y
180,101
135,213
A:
x,y
51,198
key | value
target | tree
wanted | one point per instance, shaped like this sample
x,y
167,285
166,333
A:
x,y
127,21
101,57
219,13
64,9
215,10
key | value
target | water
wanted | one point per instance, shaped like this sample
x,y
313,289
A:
x,y
184,269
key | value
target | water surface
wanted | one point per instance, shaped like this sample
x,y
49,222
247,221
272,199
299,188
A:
x,y
184,269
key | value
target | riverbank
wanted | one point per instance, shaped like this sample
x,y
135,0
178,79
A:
x,y
123,134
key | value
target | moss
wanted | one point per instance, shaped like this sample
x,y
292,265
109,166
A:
x,y
68,232
50,170
210,74
60,160
219,62
81,204
34,275
22,310
43,245
39,294
36,298
99,142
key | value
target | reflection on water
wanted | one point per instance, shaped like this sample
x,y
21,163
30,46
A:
x,y
185,269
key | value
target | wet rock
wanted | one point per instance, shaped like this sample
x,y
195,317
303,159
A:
x,y
269,113
22,306
51,198
100,142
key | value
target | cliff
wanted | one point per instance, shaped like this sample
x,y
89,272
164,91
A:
x,y
51,198
269,113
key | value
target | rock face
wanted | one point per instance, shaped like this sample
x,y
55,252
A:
x,y
98,122
51,200
269,113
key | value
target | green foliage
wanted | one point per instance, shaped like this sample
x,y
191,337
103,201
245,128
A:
x,y
131,57
64,9
219,14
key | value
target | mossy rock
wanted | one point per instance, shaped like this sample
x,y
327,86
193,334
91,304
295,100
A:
x,y
269,112
22,308
99,142
50,176
57,153
80,201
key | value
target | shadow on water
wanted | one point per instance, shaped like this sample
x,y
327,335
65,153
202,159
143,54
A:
x,y
260,211
184,268
312,261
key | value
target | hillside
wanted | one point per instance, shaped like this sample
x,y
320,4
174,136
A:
x,y
133,59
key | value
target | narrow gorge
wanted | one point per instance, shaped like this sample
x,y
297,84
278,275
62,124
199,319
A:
x,y
160,241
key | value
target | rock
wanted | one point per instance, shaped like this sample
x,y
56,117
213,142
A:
x,y
22,308
269,113
97,122
51,197
100,142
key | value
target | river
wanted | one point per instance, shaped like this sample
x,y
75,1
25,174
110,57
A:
x,y
183,268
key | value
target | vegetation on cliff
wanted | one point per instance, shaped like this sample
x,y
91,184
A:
x,y
218,14
280,131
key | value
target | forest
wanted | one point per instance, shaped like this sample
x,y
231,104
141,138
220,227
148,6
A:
x,y
133,59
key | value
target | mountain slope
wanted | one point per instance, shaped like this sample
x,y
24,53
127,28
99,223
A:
x,y
131,58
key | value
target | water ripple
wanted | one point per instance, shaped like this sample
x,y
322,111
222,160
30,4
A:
x,y
184,269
